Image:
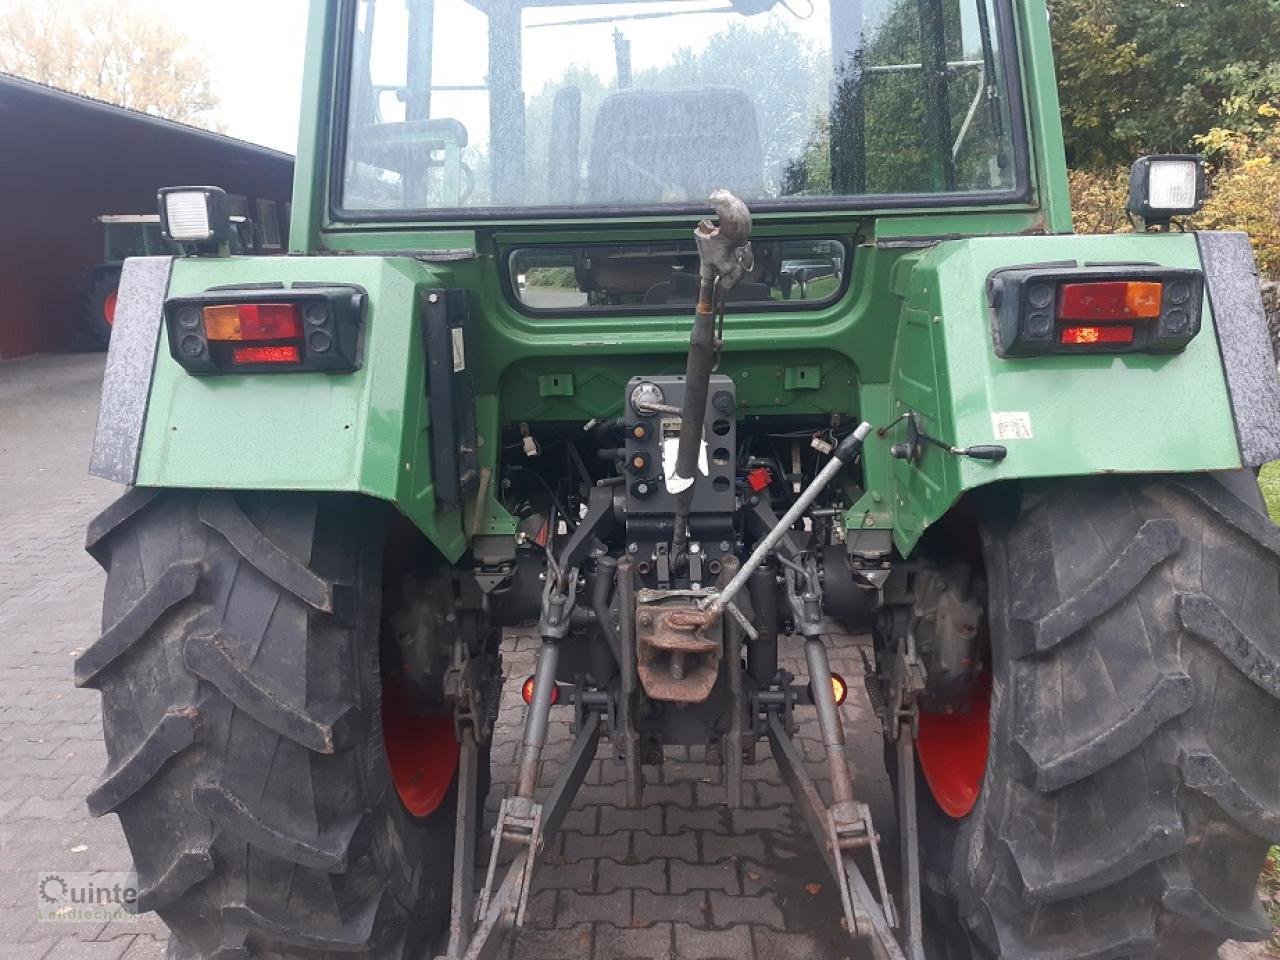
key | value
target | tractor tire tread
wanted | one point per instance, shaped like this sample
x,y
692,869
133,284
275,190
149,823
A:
x,y
175,732
221,512
240,712
176,584
1128,802
324,728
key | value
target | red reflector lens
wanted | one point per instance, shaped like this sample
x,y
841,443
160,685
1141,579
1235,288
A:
x,y
526,692
1110,300
253,321
759,478
1087,336
282,354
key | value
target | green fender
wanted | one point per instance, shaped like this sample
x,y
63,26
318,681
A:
x,y
1082,415
364,432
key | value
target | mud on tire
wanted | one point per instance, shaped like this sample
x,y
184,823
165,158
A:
x,y
1133,784
239,670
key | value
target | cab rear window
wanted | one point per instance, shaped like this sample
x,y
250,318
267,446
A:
x,y
656,277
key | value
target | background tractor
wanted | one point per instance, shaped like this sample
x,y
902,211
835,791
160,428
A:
x,y
515,374
139,235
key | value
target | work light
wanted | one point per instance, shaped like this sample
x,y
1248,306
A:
x,y
1164,187
195,214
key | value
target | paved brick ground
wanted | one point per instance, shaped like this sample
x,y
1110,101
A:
x,y
50,597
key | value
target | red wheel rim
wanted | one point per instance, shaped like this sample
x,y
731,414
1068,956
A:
x,y
109,308
953,752
422,753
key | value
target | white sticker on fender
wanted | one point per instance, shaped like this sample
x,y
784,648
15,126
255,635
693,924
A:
x,y
1009,425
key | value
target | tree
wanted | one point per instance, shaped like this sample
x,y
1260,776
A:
x,y
1138,76
110,51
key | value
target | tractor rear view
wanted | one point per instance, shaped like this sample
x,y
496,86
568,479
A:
x,y
674,332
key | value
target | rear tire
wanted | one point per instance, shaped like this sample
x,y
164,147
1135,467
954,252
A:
x,y
1132,784
239,667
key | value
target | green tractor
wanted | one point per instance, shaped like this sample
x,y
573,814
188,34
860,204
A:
x,y
514,373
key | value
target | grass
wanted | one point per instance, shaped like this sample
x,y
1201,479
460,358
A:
x,y
1270,481
1269,890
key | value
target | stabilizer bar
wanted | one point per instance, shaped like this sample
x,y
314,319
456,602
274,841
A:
x,y
530,825
865,917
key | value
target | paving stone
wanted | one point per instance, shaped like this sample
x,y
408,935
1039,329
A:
x,y
582,820
688,907
768,794
634,876
776,819
718,846
678,794
729,910
622,818
772,944
704,876
649,846
695,944
680,820
650,943
145,948
580,876
562,943
29,950
584,846
541,912
577,908
710,795
70,948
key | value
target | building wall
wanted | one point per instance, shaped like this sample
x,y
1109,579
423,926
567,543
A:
x,y
66,160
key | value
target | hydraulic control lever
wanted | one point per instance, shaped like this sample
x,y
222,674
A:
x,y
917,439
843,454
724,253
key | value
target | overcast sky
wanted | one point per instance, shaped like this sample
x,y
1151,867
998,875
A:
x,y
254,49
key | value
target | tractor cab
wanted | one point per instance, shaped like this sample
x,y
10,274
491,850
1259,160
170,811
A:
x,y
461,109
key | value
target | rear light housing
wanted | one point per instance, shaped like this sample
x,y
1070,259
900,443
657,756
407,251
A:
x,y
251,330
1067,309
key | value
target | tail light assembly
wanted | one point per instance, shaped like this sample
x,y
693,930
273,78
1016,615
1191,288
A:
x,y
253,330
1057,308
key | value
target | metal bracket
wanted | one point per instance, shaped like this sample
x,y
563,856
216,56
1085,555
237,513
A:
x,y
528,824
913,450
839,832
909,844
474,688
558,602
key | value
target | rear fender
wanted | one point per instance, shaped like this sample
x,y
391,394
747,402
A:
x,y
1215,406
365,432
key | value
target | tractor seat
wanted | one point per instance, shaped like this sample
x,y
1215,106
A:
x,y
675,146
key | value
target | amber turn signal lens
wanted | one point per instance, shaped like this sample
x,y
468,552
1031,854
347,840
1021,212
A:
x,y
253,321
1110,300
